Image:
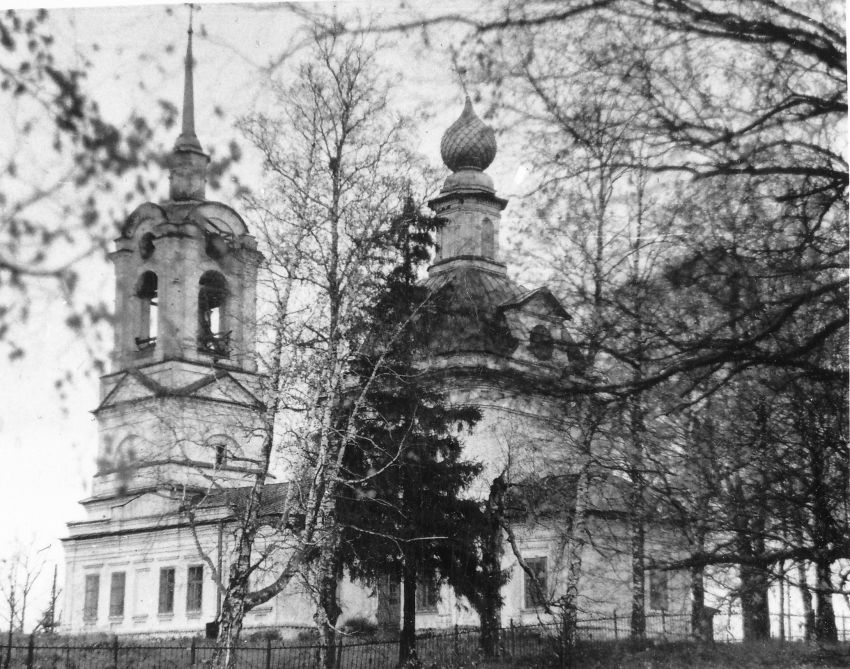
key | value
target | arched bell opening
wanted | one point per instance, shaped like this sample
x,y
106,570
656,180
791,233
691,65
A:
x,y
147,291
213,335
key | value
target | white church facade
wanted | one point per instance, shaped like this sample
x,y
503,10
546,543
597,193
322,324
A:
x,y
181,409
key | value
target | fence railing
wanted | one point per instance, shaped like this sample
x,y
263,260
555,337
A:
x,y
441,648
545,643
729,627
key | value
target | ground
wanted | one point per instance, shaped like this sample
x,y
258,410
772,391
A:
x,y
775,655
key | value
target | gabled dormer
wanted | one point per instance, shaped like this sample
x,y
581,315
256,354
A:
x,y
537,321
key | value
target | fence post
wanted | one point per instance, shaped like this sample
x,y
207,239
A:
x,y
565,641
456,642
268,653
616,631
513,639
339,653
192,652
115,651
30,651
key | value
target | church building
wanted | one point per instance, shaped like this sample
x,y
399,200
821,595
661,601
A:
x,y
180,408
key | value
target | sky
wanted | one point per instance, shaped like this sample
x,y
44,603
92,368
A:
x,y
48,440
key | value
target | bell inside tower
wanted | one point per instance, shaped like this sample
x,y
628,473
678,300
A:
x,y
212,296
147,292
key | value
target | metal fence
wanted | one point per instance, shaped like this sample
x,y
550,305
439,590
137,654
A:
x,y
729,627
543,643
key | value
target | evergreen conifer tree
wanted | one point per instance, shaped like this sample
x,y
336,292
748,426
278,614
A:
x,y
402,510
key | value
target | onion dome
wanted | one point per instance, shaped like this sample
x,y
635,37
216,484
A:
x,y
469,143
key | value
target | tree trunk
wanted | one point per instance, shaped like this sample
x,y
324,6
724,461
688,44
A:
x,y
327,613
9,640
806,597
825,629
700,620
749,525
636,520
782,601
407,638
230,627
638,624
491,564
754,603
234,606
575,550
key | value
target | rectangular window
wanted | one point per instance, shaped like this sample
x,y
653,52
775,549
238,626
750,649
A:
x,y
195,589
658,590
536,586
166,590
427,594
393,592
116,594
92,594
142,595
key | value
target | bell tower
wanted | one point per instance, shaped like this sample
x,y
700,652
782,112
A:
x,y
180,409
186,269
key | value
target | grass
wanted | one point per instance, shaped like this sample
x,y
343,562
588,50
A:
x,y
684,655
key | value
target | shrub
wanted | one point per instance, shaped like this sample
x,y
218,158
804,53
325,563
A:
x,y
360,627
263,635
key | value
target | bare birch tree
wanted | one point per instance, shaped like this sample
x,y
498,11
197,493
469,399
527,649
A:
x,y
336,169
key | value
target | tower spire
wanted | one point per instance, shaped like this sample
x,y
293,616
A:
x,y
188,165
188,140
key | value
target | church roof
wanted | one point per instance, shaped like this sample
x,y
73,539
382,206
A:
x,y
554,496
542,292
470,315
272,498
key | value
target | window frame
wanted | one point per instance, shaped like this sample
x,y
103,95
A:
x,y
195,588
659,590
167,582
427,595
91,595
533,599
117,596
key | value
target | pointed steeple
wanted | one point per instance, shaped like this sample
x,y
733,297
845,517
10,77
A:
x,y
188,140
188,164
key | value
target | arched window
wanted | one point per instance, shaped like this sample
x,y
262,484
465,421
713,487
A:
x,y
146,245
146,291
541,343
488,238
212,296
223,449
